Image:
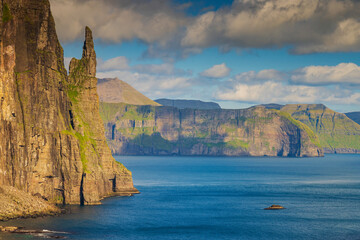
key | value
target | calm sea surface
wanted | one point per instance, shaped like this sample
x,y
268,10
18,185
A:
x,y
223,198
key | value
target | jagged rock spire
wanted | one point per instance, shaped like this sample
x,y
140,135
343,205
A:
x,y
89,52
87,65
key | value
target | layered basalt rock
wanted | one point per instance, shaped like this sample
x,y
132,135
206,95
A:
x,y
52,139
336,131
257,131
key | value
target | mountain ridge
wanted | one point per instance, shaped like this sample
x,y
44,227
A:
x,y
337,132
185,103
151,130
114,90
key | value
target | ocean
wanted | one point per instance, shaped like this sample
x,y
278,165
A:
x,y
221,198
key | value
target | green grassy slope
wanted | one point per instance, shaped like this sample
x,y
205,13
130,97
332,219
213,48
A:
x,y
118,91
335,130
152,130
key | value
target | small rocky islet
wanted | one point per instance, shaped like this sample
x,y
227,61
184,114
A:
x,y
275,207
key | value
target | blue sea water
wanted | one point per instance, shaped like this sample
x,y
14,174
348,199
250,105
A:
x,y
222,198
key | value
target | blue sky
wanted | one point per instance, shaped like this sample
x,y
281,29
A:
x,y
237,53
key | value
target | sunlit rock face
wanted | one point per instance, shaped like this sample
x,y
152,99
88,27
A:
x,y
337,132
52,139
257,131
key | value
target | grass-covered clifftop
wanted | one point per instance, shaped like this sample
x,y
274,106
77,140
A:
x,y
114,90
150,130
184,103
336,132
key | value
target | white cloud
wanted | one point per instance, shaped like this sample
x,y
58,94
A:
x,y
263,75
339,74
313,84
116,21
217,71
117,63
67,62
152,85
161,69
308,25
270,92
345,38
281,93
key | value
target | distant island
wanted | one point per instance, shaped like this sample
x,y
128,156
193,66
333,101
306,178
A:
x,y
137,126
140,127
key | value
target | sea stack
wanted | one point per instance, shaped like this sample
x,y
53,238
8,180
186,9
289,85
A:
x,y
52,142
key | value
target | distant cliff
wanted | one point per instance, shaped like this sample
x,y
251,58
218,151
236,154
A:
x,y
272,106
336,132
191,104
355,116
52,141
257,131
114,90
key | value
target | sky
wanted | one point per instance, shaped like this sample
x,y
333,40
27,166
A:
x,y
237,53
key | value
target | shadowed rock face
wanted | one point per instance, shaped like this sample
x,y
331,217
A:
x,y
149,130
52,140
355,116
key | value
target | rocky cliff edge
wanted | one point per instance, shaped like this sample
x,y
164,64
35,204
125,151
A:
x,y
52,139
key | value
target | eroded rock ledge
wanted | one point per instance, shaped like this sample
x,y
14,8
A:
x,y
15,203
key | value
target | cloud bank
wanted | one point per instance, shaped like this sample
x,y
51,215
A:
x,y
117,21
307,26
338,84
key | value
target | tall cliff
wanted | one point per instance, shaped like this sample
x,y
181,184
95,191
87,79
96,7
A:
x,y
336,132
257,131
52,139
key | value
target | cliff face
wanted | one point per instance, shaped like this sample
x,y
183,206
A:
x,y
336,132
149,130
52,142
192,104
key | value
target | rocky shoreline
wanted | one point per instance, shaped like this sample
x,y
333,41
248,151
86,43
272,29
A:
x,y
15,203
38,233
